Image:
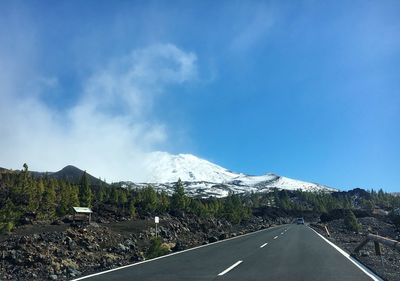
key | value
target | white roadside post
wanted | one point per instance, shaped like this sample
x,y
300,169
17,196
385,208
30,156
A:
x,y
157,221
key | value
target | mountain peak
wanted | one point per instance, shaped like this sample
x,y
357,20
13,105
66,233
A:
x,y
165,167
74,175
71,168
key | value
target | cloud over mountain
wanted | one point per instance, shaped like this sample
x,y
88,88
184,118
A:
x,y
109,130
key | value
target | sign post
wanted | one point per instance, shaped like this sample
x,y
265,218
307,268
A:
x,y
157,221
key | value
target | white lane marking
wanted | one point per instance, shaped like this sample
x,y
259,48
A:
x,y
275,237
263,245
350,258
282,233
230,268
172,254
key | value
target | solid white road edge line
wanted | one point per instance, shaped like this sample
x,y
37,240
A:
x,y
230,268
263,245
172,254
275,237
354,261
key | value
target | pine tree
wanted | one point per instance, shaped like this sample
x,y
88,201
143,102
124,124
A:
x,y
198,208
33,194
68,198
7,213
179,200
102,194
164,202
132,209
85,192
148,199
114,196
234,210
8,216
123,199
63,203
47,208
74,199
25,167
350,221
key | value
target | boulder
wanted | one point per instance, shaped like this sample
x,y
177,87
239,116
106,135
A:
x,y
212,239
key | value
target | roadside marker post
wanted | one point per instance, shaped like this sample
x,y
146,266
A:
x,y
157,221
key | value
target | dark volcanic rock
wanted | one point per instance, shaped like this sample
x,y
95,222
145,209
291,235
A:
x,y
62,252
387,266
212,239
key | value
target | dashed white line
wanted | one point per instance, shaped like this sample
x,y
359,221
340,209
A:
x,y
230,268
263,245
275,237
170,255
282,233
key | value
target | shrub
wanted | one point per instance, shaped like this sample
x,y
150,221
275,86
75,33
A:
x,y
156,249
350,221
6,227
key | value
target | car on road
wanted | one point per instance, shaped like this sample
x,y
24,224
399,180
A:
x,y
300,221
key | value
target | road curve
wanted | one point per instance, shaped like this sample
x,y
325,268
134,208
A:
x,y
285,253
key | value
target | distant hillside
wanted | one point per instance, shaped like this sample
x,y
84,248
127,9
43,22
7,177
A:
x,y
3,170
356,192
69,173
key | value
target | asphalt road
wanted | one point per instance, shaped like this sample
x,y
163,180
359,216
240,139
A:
x,y
289,252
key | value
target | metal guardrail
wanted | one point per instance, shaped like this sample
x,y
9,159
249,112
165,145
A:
x,y
378,239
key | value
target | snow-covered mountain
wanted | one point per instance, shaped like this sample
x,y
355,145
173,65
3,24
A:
x,y
164,167
203,178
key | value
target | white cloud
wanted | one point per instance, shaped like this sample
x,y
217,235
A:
x,y
132,82
110,130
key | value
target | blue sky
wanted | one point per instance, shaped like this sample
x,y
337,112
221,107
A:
x,y
305,89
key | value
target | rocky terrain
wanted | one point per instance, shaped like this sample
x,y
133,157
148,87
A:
x,y
387,265
63,251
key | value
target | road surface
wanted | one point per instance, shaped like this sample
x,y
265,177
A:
x,y
289,252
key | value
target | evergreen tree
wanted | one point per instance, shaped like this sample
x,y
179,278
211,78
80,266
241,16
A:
x,y
102,194
63,203
8,212
114,196
234,210
85,192
198,208
123,199
284,201
48,205
350,221
164,202
132,209
68,198
179,200
148,199
8,216
25,167
74,199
